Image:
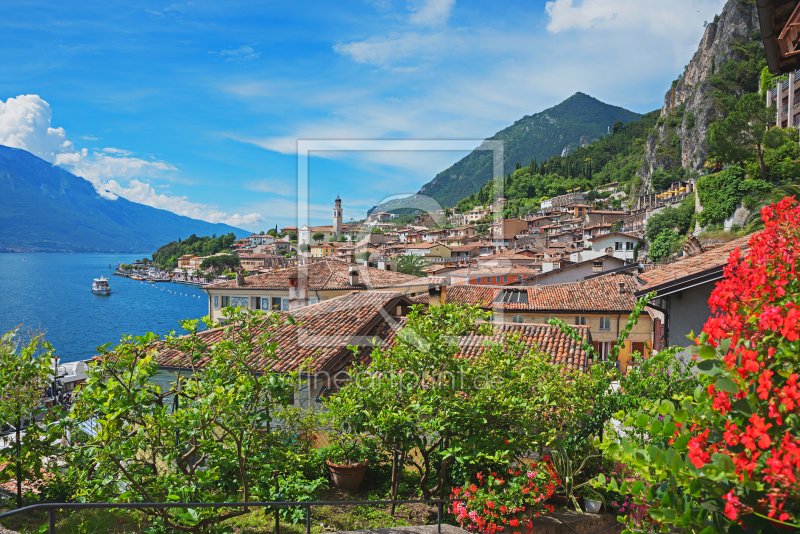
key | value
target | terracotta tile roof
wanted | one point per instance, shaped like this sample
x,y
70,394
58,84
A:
x,y
327,274
259,256
417,281
465,248
689,267
507,255
647,267
426,244
550,340
322,332
496,269
10,487
599,294
617,233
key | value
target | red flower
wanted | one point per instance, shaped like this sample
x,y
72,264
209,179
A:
x,y
731,505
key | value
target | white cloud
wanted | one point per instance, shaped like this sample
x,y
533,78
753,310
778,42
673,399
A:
x,y
117,151
431,12
389,51
663,17
243,53
144,193
277,186
25,122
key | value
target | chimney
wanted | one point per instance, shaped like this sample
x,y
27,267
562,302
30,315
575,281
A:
x,y
621,287
436,295
692,247
239,277
353,275
298,290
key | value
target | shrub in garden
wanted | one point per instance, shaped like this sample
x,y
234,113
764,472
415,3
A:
x,y
25,371
727,458
508,498
433,409
210,438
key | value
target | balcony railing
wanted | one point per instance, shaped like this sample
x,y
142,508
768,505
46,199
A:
x,y
52,507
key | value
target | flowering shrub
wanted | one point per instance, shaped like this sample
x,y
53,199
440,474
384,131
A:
x,y
496,501
622,504
731,460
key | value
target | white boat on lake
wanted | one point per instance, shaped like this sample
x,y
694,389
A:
x,y
100,286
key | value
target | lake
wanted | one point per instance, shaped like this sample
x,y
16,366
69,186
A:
x,y
52,292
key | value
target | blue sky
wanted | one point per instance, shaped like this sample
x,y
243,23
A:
x,y
197,107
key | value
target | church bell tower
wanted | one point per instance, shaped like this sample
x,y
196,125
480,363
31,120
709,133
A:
x,y
337,218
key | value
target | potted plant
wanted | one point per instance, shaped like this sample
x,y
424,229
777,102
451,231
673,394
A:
x,y
592,499
567,473
347,462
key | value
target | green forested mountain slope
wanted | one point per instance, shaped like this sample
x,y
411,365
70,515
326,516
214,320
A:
x,y
45,208
538,136
613,158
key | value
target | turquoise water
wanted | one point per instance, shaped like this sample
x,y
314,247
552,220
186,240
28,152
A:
x,y
52,292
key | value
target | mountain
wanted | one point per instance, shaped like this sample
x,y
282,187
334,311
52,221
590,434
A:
x,y
45,208
558,130
726,65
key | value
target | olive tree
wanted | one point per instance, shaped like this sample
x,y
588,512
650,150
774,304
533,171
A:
x,y
25,370
435,406
208,436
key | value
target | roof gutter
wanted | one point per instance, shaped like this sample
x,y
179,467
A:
x,y
765,18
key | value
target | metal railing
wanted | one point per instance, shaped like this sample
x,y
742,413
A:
x,y
52,507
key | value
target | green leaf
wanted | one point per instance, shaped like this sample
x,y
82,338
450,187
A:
x,y
642,421
681,416
726,384
723,462
744,407
666,407
677,464
707,352
655,428
710,367
681,442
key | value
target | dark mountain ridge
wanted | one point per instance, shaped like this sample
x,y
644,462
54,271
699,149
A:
x,y
557,130
45,208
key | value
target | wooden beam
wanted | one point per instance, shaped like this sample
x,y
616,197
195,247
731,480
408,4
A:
x,y
787,40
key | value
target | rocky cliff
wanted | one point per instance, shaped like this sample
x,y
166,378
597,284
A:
x,y
692,103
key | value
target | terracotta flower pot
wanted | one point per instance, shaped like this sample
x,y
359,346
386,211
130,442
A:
x,y
347,477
